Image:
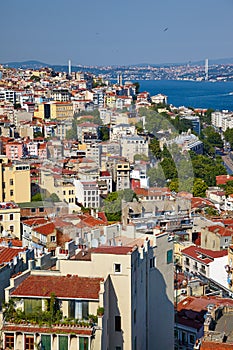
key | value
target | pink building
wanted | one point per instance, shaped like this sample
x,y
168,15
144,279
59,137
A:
x,y
14,150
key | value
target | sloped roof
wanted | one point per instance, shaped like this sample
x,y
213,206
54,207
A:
x,y
68,287
7,254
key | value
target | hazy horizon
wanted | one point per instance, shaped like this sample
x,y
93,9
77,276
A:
x,y
123,33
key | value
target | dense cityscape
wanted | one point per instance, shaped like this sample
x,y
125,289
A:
x,y
218,70
115,211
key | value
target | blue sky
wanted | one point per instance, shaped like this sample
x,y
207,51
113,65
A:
x,y
115,32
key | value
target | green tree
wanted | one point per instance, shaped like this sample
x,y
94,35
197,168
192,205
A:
x,y
104,133
229,188
54,197
113,202
155,148
199,188
228,135
37,197
71,134
156,176
213,137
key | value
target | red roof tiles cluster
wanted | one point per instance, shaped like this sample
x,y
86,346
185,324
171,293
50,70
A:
x,y
7,254
209,255
70,286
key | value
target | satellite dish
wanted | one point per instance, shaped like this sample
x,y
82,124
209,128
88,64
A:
x,y
94,243
103,240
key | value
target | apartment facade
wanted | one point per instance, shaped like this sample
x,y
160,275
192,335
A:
x,y
15,182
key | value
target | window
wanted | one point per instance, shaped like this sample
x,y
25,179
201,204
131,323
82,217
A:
x,y
187,261
117,268
117,323
9,341
1,217
30,305
11,216
63,342
152,262
46,342
183,337
33,210
83,343
11,192
41,210
11,182
169,256
53,239
11,228
192,338
29,342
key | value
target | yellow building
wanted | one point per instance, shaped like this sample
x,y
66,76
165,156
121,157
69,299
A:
x,y
62,110
54,110
9,219
15,182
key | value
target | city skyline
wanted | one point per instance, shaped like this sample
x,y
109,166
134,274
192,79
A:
x,y
107,33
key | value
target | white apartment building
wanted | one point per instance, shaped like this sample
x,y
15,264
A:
x,y
222,120
87,193
131,145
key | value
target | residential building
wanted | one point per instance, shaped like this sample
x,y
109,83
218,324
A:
x,y
133,315
216,237
33,291
132,145
12,261
87,193
122,176
9,219
192,316
208,263
15,181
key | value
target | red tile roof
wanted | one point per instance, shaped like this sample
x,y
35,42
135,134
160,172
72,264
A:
x,y
70,286
199,303
46,229
223,179
7,254
198,202
196,252
118,250
35,221
222,231
206,345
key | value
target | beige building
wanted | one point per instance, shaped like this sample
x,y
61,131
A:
x,y
124,303
14,181
216,237
70,328
9,219
52,182
138,297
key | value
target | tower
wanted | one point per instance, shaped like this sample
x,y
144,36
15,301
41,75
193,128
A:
x,y
206,68
119,79
69,67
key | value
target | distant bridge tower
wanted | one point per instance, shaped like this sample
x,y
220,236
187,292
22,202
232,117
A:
x,y
206,69
69,67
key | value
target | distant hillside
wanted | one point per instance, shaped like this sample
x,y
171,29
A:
x,y
26,64
33,64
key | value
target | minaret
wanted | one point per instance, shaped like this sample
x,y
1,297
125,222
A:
x,y
206,69
119,79
69,67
